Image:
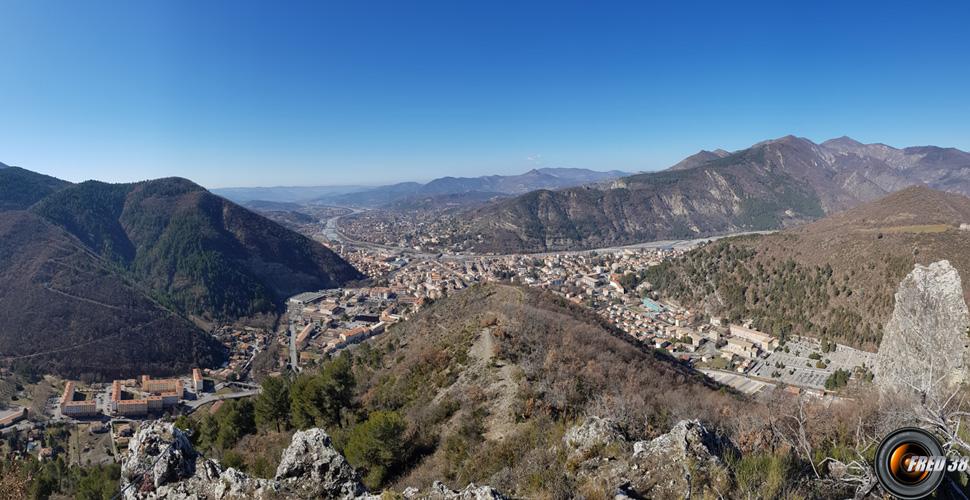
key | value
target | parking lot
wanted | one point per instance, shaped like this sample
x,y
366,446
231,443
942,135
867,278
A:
x,y
801,370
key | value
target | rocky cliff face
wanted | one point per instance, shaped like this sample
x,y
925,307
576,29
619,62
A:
x,y
924,347
162,464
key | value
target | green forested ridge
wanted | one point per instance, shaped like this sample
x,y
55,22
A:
x,y
784,297
197,252
64,310
19,188
98,279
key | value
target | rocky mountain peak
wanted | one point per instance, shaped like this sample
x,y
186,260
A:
x,y
701,157
924,347
844,142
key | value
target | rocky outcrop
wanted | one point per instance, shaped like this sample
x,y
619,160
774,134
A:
x,y
441,492
161,463
312,468
683,463
924,347
592,435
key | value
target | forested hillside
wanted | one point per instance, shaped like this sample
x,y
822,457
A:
x,y
63,310
19,188
833,279
201,254
101,279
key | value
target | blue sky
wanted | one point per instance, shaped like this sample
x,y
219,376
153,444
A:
x,y
289,93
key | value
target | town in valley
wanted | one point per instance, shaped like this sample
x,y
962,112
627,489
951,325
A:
x,y
320,323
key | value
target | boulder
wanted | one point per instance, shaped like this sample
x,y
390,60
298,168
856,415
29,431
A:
x,y
311,467
161,463
592,435
471,492
683,463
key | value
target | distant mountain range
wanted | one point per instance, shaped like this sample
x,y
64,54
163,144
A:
x,y
773,184
834,278
542,178
104,278
284,194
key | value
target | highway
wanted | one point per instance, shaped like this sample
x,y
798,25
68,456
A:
x,y
210,398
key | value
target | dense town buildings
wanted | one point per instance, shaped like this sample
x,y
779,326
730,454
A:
x,y
607,281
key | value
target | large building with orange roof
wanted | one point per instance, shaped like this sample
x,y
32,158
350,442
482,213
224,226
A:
x,y
71,408
162,393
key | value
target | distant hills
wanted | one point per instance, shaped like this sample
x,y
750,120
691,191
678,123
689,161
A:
x,y
834,278
110,268
773,184
542,178
285,194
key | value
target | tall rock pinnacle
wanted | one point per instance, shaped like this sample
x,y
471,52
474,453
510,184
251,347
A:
x,y
924,347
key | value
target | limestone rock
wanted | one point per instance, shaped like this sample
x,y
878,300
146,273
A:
x,y
592,435
161,463
681,463
471,492
924,344
313,468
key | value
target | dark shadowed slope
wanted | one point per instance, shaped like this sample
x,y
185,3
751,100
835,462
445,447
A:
x,y
201,253
99,278
63,310
19,188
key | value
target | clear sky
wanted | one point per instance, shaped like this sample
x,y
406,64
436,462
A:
x,y
243,93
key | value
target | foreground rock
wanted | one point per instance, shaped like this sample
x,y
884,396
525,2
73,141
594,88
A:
x,y
441,492
686,462
683,463
924,347
161,463
591,437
